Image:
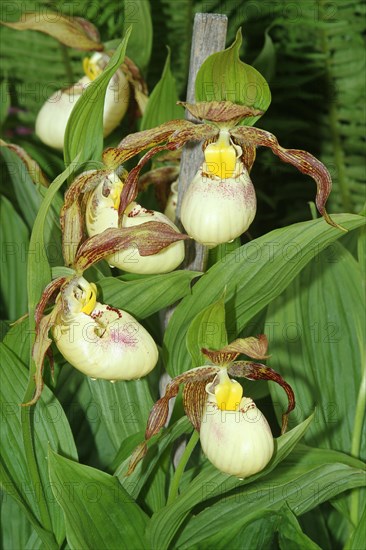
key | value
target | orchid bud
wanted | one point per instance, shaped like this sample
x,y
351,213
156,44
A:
x,y
235,436
53,117
102,213
220,203
99,340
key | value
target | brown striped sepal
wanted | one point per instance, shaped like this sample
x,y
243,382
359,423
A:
x,y
74,32
33,168
254,347
220,111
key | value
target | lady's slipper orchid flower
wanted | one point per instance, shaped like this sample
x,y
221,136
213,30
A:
x,y
99,340
53,117
220,203
99,189
102,213
234,434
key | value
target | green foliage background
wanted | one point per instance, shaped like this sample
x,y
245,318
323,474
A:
x,y
305,279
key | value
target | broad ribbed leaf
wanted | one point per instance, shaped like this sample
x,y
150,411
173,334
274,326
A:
x,y
50,428
146,296
317,342
98,512
162,105
124,407
303,480
210,483
84,130
224,77
207,330
29,196
253,275
138,14
14,241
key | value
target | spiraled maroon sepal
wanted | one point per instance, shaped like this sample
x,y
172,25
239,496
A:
x,y
302,160
149,238
137,455
257,371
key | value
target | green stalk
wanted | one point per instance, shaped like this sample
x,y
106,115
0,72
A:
x,y
356,445
174,487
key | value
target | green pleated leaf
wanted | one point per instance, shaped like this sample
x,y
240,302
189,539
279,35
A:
x,y
306,478
162,105
358,537
210,483
16,529
84,130
124,407
207,330
138,14
253,275
14,242
290,534
98,512
29,196
145,296
318,345
224,77
50,428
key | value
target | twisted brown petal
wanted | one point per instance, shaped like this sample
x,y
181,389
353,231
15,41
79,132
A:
x,y
133,144
194,400
48,293
149,238
40,349
302,160
71,218
257,371
137,82
159,413
196,132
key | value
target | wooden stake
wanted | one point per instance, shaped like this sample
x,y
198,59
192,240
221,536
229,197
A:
x,y
208,37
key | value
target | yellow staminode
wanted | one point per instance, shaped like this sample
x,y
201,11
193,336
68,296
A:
x,y
116,196
228,393
91,69
91,300
220,157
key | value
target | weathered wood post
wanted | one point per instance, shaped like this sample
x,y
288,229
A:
x,y
208,37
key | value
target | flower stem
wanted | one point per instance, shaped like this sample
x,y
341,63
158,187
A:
x,y
174,487
356,444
